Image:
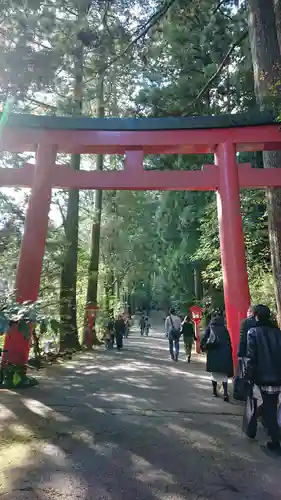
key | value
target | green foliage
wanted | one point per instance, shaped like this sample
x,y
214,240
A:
x,y
150,242
23,314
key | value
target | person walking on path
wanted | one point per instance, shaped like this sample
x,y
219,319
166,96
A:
x,y
173,332
142,324
110,330
188,333
263,368
245,326
127,328
119,329
216,343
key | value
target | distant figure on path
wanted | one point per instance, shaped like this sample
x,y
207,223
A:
x,y
188,333
216,343
147,326
110,329
120,329
263,368
127,328
142,324
173,332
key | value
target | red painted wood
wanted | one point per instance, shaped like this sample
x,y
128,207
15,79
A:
x,y
260,178
137,179
64,177
36,227
235,277
197,314
153,142
261,146
17,347
134,144
133,161
17,176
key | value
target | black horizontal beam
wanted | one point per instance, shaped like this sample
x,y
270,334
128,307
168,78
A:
x,y
121,124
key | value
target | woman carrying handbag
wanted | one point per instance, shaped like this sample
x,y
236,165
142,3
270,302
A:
x,y
216,343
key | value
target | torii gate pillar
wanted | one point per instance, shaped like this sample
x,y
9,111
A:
x,y
32,249
235,277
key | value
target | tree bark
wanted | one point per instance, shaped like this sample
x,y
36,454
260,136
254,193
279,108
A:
x,y
69,338
267,63
93,269
198,283
69,332
278,20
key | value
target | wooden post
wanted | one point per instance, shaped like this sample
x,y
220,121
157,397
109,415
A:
x,y
36,226
32,249
235,277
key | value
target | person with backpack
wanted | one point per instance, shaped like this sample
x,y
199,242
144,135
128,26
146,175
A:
x,y
187,330
263,368
216,343
245,326
173,333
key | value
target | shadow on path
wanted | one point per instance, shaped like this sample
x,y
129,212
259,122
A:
x,y
129,425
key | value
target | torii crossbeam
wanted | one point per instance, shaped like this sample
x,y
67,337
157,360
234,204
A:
x,y
134,138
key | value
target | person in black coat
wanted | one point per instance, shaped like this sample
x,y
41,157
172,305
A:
x,y
120,328
263,368
216,343
245,326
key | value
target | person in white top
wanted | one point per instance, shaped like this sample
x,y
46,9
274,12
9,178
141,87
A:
x,y
173,332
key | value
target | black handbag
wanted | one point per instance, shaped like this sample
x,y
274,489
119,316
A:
x,y
250,417
240,385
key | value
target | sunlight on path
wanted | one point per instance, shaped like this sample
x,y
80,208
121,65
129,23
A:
x,y
129,425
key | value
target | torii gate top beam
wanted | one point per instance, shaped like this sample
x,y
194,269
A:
x,y
171,135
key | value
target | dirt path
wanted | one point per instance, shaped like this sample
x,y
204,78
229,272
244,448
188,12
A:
x,y
130,425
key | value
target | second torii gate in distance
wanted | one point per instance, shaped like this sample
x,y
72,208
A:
x,y
222,136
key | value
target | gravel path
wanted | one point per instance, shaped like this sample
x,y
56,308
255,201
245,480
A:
x,y
129,426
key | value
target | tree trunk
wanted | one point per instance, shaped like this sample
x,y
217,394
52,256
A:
x,y
68,311
108,292
267,63
278,20
93,269
69,333
198,283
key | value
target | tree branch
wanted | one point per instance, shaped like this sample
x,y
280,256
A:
x,y
155,18
218,7
62,214
152,21
221,66
39,103
123,274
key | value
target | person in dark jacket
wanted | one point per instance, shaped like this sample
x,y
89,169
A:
x,y
188,334
110,329
245,326
119,328
219,352
142,324
263,368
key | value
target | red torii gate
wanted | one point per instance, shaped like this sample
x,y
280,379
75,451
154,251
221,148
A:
x,y
223,136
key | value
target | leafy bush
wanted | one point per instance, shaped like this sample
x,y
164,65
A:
x,y
24,313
